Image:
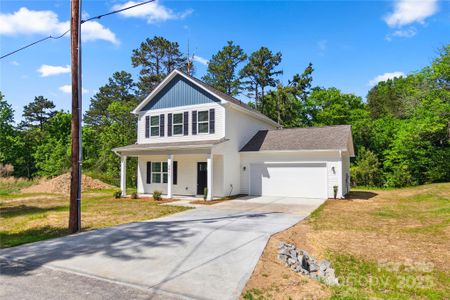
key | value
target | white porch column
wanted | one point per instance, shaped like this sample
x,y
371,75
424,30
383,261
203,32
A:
x,y
209,172
169,175
123,175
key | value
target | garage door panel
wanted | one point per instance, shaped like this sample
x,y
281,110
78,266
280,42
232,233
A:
x,y
289,180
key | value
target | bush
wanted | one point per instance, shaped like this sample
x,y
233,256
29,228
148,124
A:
x,y
6,170
117,194
134,196
366,171
157,195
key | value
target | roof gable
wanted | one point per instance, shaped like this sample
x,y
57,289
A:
x,y
193,85
179,92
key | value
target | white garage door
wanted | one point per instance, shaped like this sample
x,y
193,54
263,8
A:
x,y
308,180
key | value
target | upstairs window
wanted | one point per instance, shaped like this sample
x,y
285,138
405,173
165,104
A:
x,y
203,122
154,126
177,124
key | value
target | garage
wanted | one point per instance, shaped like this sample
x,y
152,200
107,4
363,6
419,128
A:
x,y
306,180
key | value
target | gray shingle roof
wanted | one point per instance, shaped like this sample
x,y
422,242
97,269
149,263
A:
x,y
163,146
227,97
312,138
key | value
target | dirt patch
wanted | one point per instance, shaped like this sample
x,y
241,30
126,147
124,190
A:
x,y
272,280
61,185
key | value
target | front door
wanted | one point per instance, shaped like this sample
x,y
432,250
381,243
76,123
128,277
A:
x,y
201,177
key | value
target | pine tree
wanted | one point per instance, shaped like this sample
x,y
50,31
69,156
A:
x,y
157,57
260,73
222,71
38,111
120,87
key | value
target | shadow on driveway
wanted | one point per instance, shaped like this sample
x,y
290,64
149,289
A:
x,y
123,242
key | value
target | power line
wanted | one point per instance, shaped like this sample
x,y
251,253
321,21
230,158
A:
x,y
34,43
82,21
116,11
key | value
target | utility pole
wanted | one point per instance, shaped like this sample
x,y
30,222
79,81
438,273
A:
x,y
75,181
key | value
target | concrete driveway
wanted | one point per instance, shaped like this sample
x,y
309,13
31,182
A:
x,y
205,253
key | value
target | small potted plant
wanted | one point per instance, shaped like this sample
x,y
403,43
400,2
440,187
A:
x,y
134,196
117,194
335,190
157,195
205,193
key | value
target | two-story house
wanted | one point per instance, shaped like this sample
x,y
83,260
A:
x,y
193,139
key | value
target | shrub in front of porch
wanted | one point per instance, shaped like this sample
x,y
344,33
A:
x,y
117,194
157,195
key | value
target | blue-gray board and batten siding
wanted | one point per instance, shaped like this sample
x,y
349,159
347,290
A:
x,y
179,92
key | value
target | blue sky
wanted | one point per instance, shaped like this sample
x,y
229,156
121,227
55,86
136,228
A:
x,y
352,44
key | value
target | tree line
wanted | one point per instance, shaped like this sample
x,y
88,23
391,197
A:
x,y
401,131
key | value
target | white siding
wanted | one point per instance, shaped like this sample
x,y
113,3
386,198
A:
x,y
187,174
240,128
330,158
219,124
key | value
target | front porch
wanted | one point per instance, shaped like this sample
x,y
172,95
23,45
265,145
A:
x,y
174,171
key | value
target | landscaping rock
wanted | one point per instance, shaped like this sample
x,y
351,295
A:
x,y
301,262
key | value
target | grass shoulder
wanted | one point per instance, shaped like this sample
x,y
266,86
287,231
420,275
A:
x,y
32,217
384,244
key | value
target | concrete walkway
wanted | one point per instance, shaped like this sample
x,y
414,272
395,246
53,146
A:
x,y
205,253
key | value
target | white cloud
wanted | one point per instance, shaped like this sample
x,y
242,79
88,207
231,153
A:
x,y
385,76
201,60
92,30
410,11
25,21
153,12
67,89
14,63
47,70
402,33
46,22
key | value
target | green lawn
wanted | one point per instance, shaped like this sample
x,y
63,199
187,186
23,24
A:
x,y
26,218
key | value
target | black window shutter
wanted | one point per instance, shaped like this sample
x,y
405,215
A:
x,y
212,120
186,123
149,172
147,127
161,125
169,125
175,172
194,122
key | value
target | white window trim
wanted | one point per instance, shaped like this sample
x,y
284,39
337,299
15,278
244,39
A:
x,y
161,172
152,126
198,122
182,124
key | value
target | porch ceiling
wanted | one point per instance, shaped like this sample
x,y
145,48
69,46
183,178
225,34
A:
x,y
188,147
